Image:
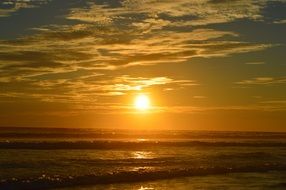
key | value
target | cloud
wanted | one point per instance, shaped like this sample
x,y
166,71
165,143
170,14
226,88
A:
x,y
255,63
87,49
281,102
259,107
199,97
131,33
196,12
263,81
85,90
82,63
8,7
280,21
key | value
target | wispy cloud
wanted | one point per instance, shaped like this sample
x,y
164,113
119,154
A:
x,y
183,11
263,81
199,97
280,21
8,7
79,62
255,63
85,90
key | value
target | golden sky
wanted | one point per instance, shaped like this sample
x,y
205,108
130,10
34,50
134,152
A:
x,y
203,64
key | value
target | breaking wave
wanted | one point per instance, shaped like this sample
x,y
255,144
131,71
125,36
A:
x,y
130,144
49,182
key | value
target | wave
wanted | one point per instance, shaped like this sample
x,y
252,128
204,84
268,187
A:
x,y
85,133
48,182
131,144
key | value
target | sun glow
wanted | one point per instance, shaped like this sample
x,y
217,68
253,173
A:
x,y
142,102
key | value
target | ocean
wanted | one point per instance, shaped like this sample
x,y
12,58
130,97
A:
x,y
105,159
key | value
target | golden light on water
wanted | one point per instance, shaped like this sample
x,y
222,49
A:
x,y
142,102
146,188
142,154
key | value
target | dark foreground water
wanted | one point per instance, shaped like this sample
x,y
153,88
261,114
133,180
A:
x,y
80,159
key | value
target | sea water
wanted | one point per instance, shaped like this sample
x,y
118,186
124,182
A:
x,y
81,159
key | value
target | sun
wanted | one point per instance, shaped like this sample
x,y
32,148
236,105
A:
x,y
142,102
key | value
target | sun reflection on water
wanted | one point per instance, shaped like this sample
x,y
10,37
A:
x,y
145,188
141,155
142,140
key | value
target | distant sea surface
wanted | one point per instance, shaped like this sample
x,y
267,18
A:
x,y
81,159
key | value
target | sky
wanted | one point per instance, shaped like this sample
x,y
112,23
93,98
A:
x,y
204,64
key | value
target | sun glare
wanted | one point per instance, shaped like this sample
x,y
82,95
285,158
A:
x,y
142,102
